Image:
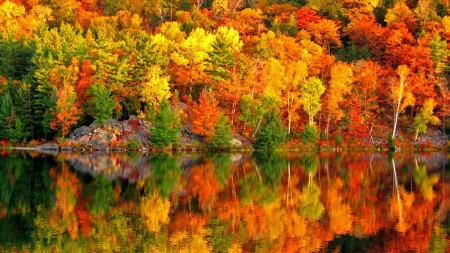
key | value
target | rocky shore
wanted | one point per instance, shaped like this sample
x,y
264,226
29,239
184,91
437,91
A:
x,y
133,133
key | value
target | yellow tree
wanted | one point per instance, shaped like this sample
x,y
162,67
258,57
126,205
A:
x,y
192,54
156,88
424,117
340,86
296,72
311,91
10,14
400,96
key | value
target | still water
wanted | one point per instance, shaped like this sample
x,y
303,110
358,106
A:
x,y
289,202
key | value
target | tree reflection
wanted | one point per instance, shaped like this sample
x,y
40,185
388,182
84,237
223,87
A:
x,y
264,203
424,181
165,174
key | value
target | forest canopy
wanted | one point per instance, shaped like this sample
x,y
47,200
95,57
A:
x,y
315,66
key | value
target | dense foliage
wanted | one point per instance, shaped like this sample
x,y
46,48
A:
x,y
351,67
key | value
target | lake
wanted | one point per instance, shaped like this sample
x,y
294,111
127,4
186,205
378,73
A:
x,y
268,202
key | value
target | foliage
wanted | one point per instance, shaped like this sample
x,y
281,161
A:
x,y
203,115
66,64
425,116
166,126
102,104
309,134
222,136
272,134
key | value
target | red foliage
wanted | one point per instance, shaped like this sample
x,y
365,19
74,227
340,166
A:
x,y
306,16
84,83
4,143
356,127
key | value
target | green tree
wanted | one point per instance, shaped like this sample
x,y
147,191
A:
x,y
272,134
221,137
6,105
309,134
102,104
439,54
165,174
166,126
15,59
222,58
17,132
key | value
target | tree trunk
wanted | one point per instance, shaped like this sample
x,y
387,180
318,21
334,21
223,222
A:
x,y
327,130
395,123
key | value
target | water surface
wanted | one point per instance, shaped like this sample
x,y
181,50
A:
x,y
289,202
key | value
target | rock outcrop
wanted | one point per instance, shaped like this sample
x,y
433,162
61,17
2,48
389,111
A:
x,y
116,135
112,133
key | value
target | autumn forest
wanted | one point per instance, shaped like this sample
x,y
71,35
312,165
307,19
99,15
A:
x,y
269,70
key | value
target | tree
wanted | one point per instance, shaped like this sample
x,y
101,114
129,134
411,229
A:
x,y
66,113
222,58
18,132
325,33
222,136
295,74
439,54
192,54
166,126
102,104
156,88
204,115
272,134
400,96
311,91
424,117
340,85
6,105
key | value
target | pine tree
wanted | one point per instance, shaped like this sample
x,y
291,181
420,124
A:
x,y
18,132
273,134
6,105
102,105
222,135
166,126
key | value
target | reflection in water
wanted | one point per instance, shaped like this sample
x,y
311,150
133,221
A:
x,y
105,202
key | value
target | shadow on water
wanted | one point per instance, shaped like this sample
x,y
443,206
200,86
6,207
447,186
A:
x,y
220,202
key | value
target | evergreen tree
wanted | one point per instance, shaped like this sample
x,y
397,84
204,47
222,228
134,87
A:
x,y
309,134
6,105
15,58
273,134
222,135
166,126
23,103
102,104
18,132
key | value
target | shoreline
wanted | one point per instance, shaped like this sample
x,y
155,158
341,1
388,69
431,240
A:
x,y
52,149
